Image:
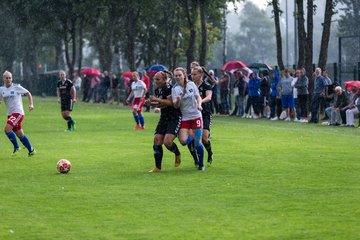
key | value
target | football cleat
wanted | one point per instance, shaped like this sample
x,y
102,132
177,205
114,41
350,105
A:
x,y
68,130
137,127
210,159
32,153
73,125
177,160
155,170
201,168
196,164
16,150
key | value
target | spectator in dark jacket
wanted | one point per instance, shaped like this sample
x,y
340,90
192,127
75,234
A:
x,y
319,93
302,94
240,92
265,95
274,94
253,95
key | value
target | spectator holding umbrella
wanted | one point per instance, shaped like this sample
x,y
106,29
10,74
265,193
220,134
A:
x,y
114,89
93,75
224,82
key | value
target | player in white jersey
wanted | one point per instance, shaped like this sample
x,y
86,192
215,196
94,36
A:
x,y
12,95
138,91
185,95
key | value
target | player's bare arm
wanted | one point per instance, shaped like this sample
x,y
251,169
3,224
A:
x,y
158,101
31,104
58,95
208,96
199,101
177,102
73,93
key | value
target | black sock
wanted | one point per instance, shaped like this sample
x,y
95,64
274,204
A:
x,y
207,146
158,154
173,148
193,152
69,121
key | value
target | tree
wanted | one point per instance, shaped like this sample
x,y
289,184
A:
x,y
301,33
254,42
131,26
277,12
67,22
309,44
191,12
329,12
7,46
204,35
349,26
107,16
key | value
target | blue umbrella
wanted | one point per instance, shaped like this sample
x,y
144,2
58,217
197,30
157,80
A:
x,y
156,68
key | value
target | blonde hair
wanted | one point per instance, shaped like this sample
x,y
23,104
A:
x,y
183,70
195,63
338,89
198,69
62,71
7,73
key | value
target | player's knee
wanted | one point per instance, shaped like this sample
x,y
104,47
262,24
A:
x,y
168,143
182,142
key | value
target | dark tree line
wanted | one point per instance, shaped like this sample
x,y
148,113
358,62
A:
x,y
305,32
147,32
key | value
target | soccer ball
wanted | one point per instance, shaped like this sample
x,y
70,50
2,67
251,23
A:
x,y
63,166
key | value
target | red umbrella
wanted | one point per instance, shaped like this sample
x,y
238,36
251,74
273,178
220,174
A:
x,y
126,74
233,65
90,71
352,84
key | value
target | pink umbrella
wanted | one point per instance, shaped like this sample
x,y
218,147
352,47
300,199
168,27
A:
x,y
90,71
126,74
352,84
233,66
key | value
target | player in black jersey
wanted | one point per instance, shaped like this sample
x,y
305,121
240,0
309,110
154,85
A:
x,y
168,125
66,94
205,92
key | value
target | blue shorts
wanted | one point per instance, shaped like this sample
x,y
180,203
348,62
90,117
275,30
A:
x,y
287,101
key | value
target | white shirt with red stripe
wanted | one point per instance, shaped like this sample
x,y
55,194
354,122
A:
x,y
188,104
138,87
12,98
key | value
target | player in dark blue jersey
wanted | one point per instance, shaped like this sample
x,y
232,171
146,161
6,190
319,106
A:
x,y
205,92
66,94
169,123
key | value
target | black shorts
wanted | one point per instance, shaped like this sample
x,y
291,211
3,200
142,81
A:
x,y
67,105
168,126
207,117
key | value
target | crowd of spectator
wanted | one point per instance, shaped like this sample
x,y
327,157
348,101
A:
x,y
270,94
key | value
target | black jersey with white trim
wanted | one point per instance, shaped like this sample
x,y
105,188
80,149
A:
x,y
65,89
166,111
202,90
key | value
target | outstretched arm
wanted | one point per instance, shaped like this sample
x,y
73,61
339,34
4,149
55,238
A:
x,y
58,94
198,101
73,93
31,104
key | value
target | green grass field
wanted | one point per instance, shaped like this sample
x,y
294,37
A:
x,y
269,180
